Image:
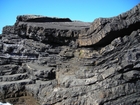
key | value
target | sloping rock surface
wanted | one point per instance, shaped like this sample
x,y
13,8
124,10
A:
x,y
104,30
56,61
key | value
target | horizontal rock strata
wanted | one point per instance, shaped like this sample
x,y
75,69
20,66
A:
x,y
57,61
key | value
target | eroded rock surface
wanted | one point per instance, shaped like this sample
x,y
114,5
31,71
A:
x,y
104,30
56,61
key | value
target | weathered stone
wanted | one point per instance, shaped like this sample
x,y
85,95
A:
x,y
56,61
40,72
8,30
108,72
51,32
39,18
104,30
131,75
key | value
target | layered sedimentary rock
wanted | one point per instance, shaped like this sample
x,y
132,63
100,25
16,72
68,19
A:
x,y
104,30
57,61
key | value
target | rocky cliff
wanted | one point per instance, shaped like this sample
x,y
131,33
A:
x,y
57,61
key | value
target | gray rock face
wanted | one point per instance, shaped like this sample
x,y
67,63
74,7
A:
x,y
39,18
104,30
62,62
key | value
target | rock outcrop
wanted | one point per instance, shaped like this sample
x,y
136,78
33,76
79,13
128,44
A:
x,y
104,30
57,61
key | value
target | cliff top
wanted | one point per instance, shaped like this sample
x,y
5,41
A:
x,y
40,18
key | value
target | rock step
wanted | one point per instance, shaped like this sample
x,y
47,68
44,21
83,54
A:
x,y
14,77
10,69
43,83
12,84
14,88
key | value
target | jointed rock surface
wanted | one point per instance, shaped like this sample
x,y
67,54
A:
x,y
57,61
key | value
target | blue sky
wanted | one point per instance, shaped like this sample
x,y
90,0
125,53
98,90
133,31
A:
x,y
84,10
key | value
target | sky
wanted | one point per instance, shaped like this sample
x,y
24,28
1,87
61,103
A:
x,y
83,10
